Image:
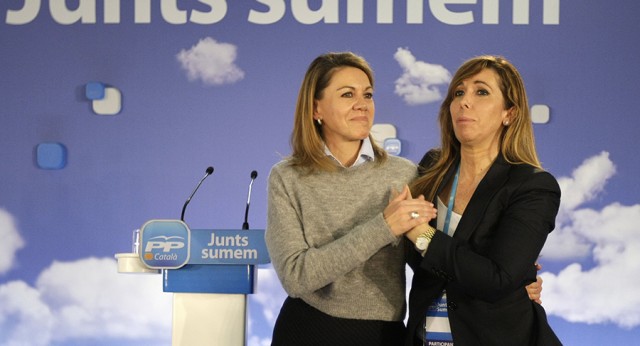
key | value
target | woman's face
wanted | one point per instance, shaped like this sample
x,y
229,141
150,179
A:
x,y
346,107
478,110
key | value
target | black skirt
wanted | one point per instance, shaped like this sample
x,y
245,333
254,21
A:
x,y
301,324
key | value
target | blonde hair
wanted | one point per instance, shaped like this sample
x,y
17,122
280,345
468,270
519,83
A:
x,y
306,138
517,144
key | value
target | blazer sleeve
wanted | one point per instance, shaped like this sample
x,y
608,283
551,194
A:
x,y
499,254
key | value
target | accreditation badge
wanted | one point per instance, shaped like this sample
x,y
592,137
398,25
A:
x,y
437,328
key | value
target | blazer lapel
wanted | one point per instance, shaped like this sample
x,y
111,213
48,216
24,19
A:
x,y
487,188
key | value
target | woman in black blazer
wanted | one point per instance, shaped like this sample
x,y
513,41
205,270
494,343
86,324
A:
x,y
496,207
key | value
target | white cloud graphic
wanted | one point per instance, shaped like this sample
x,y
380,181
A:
x,y
606,292
22,312
11,241
267,300
585,183
270,294
211,61
257,341
420,80
83,300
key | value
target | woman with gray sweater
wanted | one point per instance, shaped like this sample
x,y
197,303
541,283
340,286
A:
x,y
337,210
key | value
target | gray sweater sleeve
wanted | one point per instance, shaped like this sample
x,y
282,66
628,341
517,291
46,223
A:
x,y
302,268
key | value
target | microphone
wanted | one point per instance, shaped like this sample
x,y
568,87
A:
x,y
184,207
245,225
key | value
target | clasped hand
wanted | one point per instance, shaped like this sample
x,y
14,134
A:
x,y
404,212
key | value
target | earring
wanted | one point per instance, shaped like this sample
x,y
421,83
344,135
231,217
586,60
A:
x,y
505,123
319,121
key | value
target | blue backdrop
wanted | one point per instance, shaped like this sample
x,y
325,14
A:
x,y
110,112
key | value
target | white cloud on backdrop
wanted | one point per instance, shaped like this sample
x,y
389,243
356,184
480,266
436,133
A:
x,y
585,183
420,80
270,293
609,238
83,300
11,241
87,299
211,62
267,300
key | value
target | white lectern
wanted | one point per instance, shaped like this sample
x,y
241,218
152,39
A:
x,y
210,273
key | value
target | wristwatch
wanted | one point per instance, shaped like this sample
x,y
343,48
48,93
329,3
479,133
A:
x,y
423,240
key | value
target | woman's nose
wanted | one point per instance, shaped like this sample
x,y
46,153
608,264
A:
x,y
361,104
465,102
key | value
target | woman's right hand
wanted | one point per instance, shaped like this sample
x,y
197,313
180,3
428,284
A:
x,y
398,213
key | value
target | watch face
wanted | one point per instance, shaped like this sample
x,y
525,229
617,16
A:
x,y
421,243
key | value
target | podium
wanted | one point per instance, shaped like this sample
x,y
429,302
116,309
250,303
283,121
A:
x,y
209,271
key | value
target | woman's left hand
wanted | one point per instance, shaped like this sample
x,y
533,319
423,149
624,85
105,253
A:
x,y
534,290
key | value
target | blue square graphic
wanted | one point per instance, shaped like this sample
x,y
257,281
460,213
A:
x,y
94,91
51,155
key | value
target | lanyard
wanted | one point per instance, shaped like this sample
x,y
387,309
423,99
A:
x,y
452,196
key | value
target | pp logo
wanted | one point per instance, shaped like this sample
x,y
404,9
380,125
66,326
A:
x,y
165,244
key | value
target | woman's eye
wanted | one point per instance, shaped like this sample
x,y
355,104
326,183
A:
x,y
458,93
368,95
347,94
483,92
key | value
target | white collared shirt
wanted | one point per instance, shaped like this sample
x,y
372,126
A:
x,y
366,153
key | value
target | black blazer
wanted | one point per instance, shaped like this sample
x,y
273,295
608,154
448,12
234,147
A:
x,y
490,259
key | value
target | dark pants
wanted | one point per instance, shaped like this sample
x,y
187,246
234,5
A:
x,y
301,324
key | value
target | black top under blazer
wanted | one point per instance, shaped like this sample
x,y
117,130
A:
x,y
490,259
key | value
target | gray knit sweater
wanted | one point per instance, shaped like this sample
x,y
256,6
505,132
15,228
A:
x,y
329,242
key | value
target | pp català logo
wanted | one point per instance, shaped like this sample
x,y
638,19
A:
x,y
165,244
